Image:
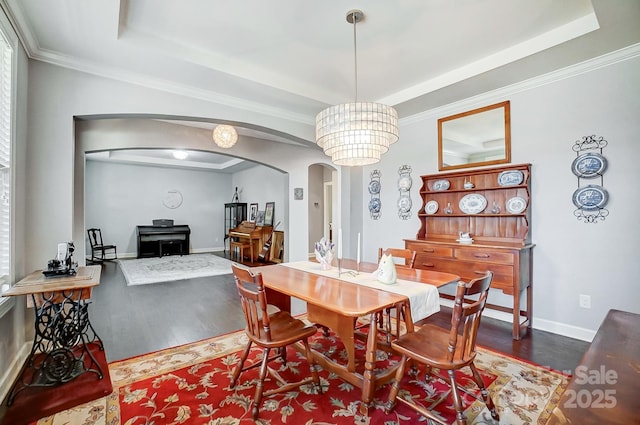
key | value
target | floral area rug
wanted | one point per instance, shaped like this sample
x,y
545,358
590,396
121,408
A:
x,y
173,267
190,385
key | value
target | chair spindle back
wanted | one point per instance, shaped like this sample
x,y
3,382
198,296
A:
x,y
254,302
465,319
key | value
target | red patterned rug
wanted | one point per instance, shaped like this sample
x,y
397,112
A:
x,y
190,385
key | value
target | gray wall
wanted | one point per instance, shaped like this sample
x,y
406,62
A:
x,y
118,197
547,117
261,185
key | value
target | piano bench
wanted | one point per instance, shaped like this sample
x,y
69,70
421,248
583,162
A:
x,y
240,247
166,247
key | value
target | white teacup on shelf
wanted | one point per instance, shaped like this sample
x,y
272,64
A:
x,y
467,184
465,237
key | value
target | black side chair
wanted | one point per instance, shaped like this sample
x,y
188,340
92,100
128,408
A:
x,y
99,251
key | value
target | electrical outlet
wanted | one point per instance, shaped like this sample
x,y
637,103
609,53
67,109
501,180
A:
x,y
585,301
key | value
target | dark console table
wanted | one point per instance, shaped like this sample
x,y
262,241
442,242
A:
x,y
604,387
156,241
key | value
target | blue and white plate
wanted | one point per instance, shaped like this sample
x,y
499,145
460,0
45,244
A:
x,y
591,197
431,207
510,178
473,203
441,184
589,165
404,204
374,187
375,205
516,205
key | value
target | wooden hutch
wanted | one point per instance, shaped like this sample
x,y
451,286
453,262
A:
x,y
499,229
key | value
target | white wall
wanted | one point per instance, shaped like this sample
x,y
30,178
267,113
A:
x,y
570,257
119,197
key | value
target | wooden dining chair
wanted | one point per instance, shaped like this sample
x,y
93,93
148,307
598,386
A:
x,y
407,255
269,331
99,251
447,349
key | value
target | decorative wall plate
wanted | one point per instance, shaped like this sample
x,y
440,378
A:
x,y
375,205
591,197
510,178
516,205
404,204
431,207
589,165
441,184
404,183
374,187
473,203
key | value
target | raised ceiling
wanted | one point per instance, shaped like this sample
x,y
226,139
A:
x,y
294,58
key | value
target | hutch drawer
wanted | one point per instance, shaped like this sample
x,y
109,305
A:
x,y
424,249
499,257
467,270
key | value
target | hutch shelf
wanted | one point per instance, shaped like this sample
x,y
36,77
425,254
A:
x,y
493,206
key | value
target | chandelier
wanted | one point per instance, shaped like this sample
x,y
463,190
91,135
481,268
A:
x,y
356,133
225,136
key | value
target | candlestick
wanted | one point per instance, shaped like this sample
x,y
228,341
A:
x,y
340,244
358,252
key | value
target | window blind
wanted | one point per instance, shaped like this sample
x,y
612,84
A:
x,y
6,83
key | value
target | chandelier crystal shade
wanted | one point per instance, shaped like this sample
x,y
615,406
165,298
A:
x,y
225,136
356,133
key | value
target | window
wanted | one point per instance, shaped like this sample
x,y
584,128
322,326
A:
x,y
6,135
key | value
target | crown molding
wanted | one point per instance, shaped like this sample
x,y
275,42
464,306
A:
x,y
502,93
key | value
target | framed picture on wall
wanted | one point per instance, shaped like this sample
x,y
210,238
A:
x,y
268,213
260,218
253,212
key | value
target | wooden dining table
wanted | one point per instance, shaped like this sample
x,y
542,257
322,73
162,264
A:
x,y
335,303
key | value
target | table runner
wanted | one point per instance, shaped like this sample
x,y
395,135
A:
x,y
424,298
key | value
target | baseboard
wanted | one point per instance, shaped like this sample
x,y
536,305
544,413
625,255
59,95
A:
x,y
557,328
208,250
564,329
14,369
129,255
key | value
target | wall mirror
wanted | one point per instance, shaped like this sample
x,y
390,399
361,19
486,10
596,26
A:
x,y
474,138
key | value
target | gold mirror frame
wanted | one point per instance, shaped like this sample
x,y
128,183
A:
x,y
475,138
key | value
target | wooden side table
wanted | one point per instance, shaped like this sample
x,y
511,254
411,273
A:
x,y
63,333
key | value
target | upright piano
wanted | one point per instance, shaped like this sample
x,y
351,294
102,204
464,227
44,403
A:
x,y
254,235
162,238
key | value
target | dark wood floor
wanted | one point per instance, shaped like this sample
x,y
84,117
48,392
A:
x,y
133,320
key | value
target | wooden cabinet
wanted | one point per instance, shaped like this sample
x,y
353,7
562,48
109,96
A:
x,y
499,228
